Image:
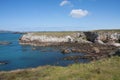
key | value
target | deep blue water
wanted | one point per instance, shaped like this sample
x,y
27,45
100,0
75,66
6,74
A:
x,y
20,57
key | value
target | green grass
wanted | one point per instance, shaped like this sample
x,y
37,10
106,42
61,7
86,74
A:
x,y
106,69
71,33
58,34
108,30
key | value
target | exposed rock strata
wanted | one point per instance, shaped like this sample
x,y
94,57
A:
x,y
45,40
108,38
105,38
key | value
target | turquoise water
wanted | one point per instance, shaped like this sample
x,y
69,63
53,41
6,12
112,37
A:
x,y
20,57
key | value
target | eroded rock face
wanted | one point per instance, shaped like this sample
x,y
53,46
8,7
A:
x,y
36,39
91,36
44,38
32,39
105,38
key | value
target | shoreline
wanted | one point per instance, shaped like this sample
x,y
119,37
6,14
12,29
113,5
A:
x,y
104,61
95,45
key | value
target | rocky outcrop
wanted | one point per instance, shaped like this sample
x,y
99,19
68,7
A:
x,y
89,51
108,38
45,40
41,40
105,38
65,51
94,45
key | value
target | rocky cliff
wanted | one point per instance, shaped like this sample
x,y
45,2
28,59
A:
x,y
55,38
110,38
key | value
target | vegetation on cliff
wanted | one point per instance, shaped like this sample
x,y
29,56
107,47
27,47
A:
x,y
56,34
108,30
105,69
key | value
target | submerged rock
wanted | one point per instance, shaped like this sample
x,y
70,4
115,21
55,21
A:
x,y
5,43
3,62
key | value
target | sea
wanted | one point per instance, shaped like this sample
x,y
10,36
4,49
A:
x,y
24,56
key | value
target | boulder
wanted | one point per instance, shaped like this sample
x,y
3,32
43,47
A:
x,y
80,40
99,42
91,36
116,44
3,62
96,50
66,51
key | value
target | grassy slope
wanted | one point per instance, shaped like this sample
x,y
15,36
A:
x,y
106,69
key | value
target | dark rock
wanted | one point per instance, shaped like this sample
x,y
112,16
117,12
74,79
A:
x,y
3,62
115,53
91,36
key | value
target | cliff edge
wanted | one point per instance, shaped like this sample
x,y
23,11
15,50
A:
x,y
56,38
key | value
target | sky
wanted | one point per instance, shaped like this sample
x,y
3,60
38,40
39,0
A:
x,y
59,15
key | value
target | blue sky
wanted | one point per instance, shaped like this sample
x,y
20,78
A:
x,y
59,15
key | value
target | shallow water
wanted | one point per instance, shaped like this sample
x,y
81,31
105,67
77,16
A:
x,y
20,57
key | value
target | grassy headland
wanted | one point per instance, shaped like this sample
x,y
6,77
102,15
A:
x,y
105,69
57,34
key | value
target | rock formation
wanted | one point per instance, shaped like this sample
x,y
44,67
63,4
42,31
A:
x,y
44,40
105,38
95,45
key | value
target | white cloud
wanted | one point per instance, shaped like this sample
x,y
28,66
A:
x,y
66,2
78,13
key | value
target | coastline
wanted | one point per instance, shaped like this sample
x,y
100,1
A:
x,y
104,57
95,45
